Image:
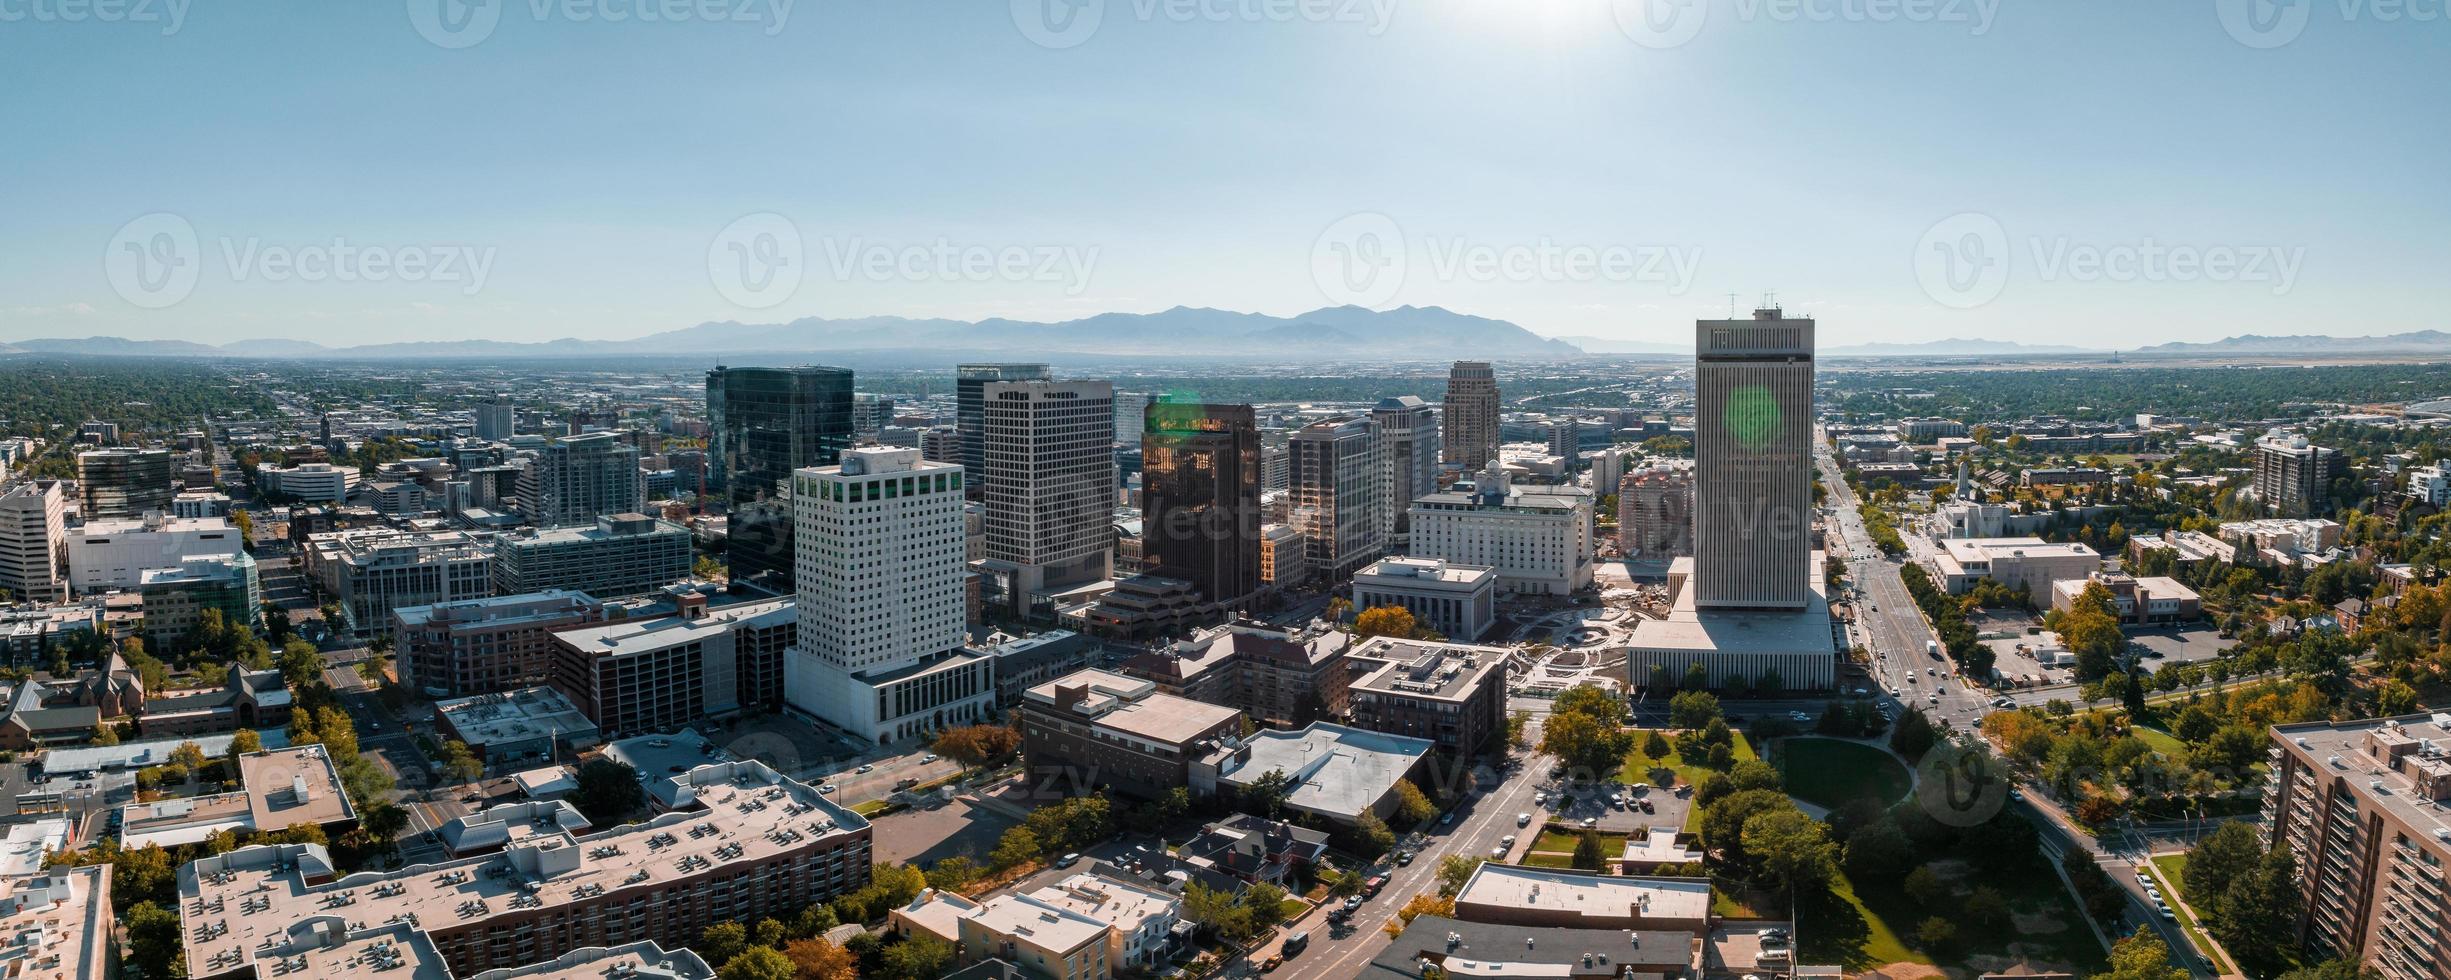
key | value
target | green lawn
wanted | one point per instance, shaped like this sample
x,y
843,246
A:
x,y
1293,908
1865,925
1548,861
1832,773
2168,868
1638,767
1564,841
2162,742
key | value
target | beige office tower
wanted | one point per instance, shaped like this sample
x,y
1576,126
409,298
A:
x,y
1753,430
1469,433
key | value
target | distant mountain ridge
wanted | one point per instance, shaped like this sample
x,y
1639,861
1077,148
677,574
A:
x,y
1407,332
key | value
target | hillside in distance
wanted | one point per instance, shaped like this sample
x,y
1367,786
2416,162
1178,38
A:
x,y
1403,333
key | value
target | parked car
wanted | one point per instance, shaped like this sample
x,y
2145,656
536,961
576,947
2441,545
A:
x,y
1523,820
1370,887
1067,860
864,770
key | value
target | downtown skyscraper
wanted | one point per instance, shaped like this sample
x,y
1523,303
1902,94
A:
x,y
1049,451
969,383
1470,433
576,480
1200,481
1337,494
764,423
1753,445
1408,463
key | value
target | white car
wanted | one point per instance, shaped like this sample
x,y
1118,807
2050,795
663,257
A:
x,y
1509,841
1523,820
827,788
865,770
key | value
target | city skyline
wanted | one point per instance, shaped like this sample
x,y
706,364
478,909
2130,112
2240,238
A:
x,y
1561,169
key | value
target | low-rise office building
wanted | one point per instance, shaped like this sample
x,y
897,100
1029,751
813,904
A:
x,y
520,728
60,925
622,555
671,672
2028,565
486,646
1460,601
2139,601
1280,676
1141,922
1095,728
1332,771
372,571
316,483
1538,539
281,788
115,554
1521,895
1042,939
177,597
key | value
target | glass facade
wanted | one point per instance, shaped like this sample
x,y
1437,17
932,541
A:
x,y
1201,483
969,411
764,423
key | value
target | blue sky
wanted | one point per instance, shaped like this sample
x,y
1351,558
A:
x,y
2148,175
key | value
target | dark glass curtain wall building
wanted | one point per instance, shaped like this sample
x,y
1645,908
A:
x,y
764,423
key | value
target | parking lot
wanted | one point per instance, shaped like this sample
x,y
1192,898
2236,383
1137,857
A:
x,y
1596,802
925,836
2179,644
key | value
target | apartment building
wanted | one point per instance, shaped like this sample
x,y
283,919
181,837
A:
x,y
576,480
671,672
517,729
2359,805
1094,728
2293,477
60,925
486,646
1452,694
176,598
1043,939
1538,538
758,845
622,555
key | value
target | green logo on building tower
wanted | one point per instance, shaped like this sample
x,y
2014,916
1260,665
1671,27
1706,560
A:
x,y
1751,415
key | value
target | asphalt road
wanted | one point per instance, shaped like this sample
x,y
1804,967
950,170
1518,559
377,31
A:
x,y
1888,622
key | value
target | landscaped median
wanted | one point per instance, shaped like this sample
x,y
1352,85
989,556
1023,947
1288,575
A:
x,y
2171,869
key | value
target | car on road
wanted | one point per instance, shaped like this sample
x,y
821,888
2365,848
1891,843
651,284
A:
x,y
1068,860
828,788
1497,854
1523,820
1404,857
1372,885
1270,964
1589,823
1446,819
1296,943
1353,902
865,770
930,757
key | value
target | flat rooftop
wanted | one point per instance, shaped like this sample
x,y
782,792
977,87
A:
x,y
2324,742
281,788
1688,629
1398,570
531,712
1046,925
1583,893
56,927
1421,669
1990,549
1480,950
1335,770
1135,707
1118,903
248,896
665,632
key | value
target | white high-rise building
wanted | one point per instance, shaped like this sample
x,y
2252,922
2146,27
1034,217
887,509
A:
x,y
1130,406
1408,463
880,569
34,542
1539,539
1050,456
115,554
496,419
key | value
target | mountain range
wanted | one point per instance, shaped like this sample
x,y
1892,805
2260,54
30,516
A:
x,y
1404,333
2417,342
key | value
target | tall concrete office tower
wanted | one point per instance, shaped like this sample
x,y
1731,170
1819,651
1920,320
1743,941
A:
x,y
1200,479
34,542
1408,464
969,380
124,482
763,424
1049,448
1336,496
579,479
1753,431
496,419
1471,431
879,646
